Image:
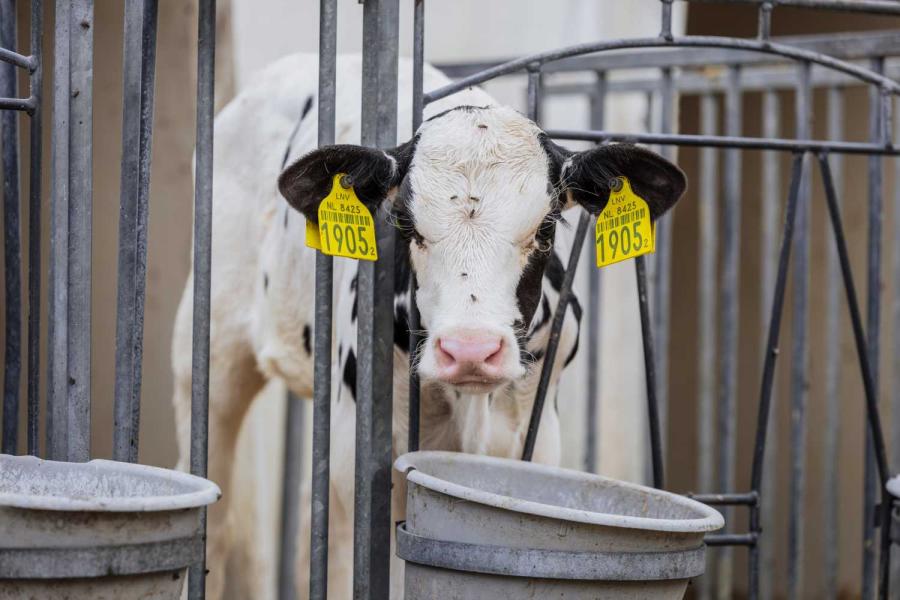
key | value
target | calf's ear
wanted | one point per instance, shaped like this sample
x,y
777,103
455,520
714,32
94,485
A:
x,y
373,173
586,177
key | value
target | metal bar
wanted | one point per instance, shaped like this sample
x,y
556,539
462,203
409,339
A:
x,y
559,317
597,118
730,539
203,189
706,313
847,46
321,425
729,317
769,357
882,7
137,115
873,318
17,104
746,143
534,84
57,322
81,31
799,351
831,479
765,47
764,28
9,56
35,153
415,324
12,246
770,198
374,383
666,29
662,262
656,454
895,384
291,476
736,499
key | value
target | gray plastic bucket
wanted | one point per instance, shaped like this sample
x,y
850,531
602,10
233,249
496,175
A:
x,y
479,528
100,530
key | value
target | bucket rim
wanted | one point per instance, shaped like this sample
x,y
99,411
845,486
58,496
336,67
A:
x,y
201,492
710,521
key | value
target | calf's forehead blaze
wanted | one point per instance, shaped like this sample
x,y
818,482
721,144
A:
x,y
479,170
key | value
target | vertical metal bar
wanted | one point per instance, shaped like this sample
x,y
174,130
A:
x,y
291,475
656,453
764,27
35,152
770,355
12,247
81,30
666,29
873,323
707,275
662,260
415,337
799,351
57,322
534,96
597,119
137,115
729,316
895,387
770,199
321,447
203,188
374,383
831,489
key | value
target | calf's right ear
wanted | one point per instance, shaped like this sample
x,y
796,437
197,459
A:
x,y
373,173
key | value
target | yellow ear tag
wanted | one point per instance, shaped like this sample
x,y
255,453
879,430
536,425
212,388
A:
x,y
624,229
346,227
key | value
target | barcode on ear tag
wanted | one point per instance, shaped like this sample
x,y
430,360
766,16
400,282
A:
x,y
346,227
624,229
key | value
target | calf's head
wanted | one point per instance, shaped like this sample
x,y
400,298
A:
x,y
476,195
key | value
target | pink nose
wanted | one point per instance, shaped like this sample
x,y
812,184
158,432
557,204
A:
x,y
470,357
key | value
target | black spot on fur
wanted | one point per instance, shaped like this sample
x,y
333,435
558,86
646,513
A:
x,y
265,281
401,328
307,106
472,296
464,108
349,375
307,344
286,211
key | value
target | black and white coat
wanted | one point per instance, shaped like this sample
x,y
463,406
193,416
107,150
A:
x,y
477,193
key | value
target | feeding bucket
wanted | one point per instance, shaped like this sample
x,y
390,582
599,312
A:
x,y
100,530
479,528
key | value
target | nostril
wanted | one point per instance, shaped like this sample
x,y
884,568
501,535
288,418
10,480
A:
x,y
444,355
495,359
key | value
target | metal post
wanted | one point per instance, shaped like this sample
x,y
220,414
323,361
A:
x,y
799,351
291,476
534,84
706,311
203,187
895,387
137,116
770,198
57,322
374,382
415,337
35,152
597,119
81,31
831,488
873,323
321,442
729,316
657,468
12,247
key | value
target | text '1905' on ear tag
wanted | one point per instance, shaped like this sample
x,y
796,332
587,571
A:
x,y
346,227
624,229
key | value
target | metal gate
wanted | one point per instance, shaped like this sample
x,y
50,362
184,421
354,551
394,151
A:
x,y
69,339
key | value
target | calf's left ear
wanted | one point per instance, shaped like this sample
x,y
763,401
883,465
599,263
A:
x,y
373,173
586,177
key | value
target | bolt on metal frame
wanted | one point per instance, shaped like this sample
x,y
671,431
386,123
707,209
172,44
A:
x,y
68,412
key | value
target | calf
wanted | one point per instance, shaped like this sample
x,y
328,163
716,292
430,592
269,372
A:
x,y
477,194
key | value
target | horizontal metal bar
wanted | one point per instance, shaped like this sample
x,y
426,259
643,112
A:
x,y
846,46
19,60
23,104
880,7
752,80
737,499
731,539
747,143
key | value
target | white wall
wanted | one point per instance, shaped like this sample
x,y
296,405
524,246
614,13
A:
x,y
264,30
